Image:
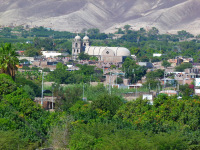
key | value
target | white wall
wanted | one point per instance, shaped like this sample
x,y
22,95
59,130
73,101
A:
x,y
48,54
157,55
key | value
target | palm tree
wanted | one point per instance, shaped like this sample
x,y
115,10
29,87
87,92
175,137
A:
x,y
8,60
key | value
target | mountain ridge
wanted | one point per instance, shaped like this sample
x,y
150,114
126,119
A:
x,y
72,15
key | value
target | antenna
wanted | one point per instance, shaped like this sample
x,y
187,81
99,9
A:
x,y
77,32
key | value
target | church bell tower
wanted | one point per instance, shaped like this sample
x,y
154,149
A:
x,y
76,46
86,42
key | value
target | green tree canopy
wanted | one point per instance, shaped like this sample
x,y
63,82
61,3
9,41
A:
x,y
8,60
7,85
157,74
32,52
183,66
166,64
61,66
46,43
153,31
11,140
183,34
186,91
127,27
93,31
83,56
46,70
6,31
94,58
155,59
119,80
22,81
19,112
86,70
107,103
133,71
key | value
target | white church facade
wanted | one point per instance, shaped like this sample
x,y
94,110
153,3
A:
x,y
104,54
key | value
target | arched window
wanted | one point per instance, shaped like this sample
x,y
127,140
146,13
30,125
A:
x,y
76,45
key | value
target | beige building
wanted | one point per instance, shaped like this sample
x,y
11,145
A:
x,y
104,54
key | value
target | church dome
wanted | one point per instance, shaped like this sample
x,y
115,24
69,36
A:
x,y
86,38
78,38
116,51
121,51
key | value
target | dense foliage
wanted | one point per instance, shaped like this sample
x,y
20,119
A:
x,y
168,124
85,74
166,64
7,85
104,121
8,60
183,66
133,71
21,120
153,79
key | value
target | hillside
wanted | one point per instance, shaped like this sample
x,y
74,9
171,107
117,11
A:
x,y
73,15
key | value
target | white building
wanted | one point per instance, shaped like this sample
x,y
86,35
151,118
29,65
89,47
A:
x,y
157,55
51,54
108,54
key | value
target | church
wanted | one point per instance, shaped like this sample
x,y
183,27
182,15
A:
x,y
104,54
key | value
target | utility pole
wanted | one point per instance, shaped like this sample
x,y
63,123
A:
x,y
110,84
52,97
90,79
164,80
42,89
158,87
136,92
160,49
116,80
178,88
124,72
83,91
53,41
84,98
149,87
135,79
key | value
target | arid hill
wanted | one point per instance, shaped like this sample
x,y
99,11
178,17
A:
x,y
107,15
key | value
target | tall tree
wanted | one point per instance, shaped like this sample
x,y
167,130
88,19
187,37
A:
x,y
127,27
166,64
83,56
8,60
